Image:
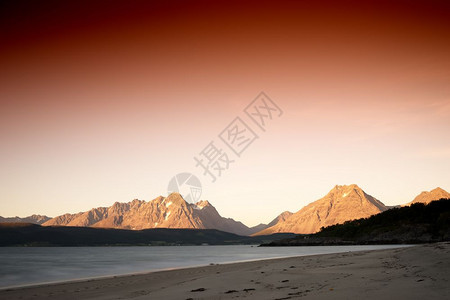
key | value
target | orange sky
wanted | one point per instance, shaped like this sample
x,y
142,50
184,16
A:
x,y
106,102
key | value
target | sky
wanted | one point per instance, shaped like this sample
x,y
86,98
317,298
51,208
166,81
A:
x,y
107,101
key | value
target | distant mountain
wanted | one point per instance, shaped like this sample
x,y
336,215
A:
x,y
281,218
33,219
162,212
413,224
427,197
342,203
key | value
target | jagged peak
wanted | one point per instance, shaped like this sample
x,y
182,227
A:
x,y
136,201
202,203
344,190
348,192
438,189
286,212
426,197
175,198
346,187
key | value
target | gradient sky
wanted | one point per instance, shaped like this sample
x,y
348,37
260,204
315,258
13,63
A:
x,y
106,102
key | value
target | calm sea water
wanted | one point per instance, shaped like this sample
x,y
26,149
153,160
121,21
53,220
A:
x,y
24,266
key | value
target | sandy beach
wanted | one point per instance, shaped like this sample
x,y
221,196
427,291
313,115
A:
x,y
419,272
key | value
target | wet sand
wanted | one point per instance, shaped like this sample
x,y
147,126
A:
x,y
419,272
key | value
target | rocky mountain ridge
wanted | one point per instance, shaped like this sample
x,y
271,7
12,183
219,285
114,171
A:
x,y
33,219
341,204
162,212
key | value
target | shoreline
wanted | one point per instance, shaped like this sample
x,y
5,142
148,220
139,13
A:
x,y
146,272
272,278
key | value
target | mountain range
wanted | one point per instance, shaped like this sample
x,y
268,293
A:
x,y
342,203
33,219
409,224
162,212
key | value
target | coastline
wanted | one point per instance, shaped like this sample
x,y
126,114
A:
x,y
413,272
55,265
